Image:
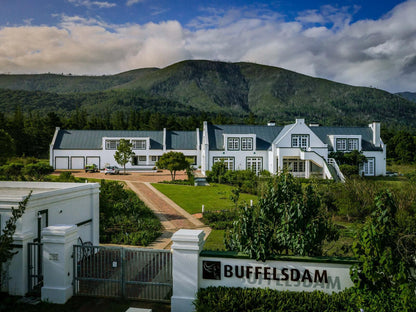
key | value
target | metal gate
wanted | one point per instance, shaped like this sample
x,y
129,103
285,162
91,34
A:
x,y
35,272
131,273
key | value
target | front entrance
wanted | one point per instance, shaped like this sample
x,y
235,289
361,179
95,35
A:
x,y
131,273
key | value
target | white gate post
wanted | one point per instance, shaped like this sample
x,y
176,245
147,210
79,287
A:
x,y
58,241
186,247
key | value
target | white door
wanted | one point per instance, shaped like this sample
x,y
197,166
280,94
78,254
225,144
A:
x,y
61,163
93,160
77,163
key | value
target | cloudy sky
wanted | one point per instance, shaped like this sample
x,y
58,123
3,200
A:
x,y
358,42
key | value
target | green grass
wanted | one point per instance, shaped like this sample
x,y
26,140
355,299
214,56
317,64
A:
x,y
215,240
191,198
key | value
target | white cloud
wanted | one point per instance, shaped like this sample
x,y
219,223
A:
x,y
379,53
131,2
89,3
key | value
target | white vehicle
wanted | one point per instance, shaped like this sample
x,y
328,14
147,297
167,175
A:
x,y
111,170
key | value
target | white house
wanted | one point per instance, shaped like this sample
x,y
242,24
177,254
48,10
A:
x,y
300,148
50,204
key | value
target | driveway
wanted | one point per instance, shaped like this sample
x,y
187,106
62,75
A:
x,y
169,213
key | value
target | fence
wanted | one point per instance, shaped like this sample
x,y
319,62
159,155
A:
x,y
130,273
35,275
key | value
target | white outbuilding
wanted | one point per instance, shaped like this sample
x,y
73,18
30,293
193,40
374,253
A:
x,y
50,204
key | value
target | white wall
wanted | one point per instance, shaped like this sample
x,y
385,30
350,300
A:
x,y
66,203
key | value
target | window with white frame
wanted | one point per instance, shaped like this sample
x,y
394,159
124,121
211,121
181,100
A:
x,y
352,144
341,144
139,144
300,140
112,144
246,144
233,144
344,144
154,158
228,162
369,167
255,164
294,165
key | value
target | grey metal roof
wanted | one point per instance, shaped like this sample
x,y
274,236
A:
x,y
264,134
181,140
366,134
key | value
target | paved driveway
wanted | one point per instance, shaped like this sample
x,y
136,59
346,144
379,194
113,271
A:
x,y
169,213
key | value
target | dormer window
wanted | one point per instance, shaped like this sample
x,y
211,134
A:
x,y
233,144
344,144
139,144
246,144
300,140
112,144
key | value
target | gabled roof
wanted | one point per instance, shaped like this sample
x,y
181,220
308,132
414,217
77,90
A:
x,y
366,135
92,139
264,134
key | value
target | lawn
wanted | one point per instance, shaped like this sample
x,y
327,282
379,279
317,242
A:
x,y
191,198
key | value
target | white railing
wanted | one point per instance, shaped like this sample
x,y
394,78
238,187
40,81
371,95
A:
x,y
318,159
333,162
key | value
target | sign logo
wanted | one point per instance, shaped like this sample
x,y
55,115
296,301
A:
x,y
211,270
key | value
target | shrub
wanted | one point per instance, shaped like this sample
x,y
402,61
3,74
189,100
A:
x,y
124,218
37,171
256,299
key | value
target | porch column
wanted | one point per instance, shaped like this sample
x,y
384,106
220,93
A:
x,y
307,169
58,241
187,244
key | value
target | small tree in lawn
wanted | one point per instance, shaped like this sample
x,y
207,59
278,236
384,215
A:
x,y
173,161
287,219
124,153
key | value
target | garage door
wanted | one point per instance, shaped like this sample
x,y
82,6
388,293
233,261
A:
x,y
61,162
77,163
93,160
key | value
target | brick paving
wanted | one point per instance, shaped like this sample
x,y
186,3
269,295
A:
x,y
169,213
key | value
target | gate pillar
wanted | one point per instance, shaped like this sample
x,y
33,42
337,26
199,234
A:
x,y
58,241
186,247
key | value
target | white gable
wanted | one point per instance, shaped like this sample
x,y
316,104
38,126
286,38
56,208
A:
x,y
298,129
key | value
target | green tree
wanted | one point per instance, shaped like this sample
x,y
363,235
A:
x,y
287,219
173,161
124,153
6,238
7,146
380,264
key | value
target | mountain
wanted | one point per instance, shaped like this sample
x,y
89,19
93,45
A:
x,y
195,87
411,96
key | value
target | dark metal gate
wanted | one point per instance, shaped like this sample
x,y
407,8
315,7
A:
x,y
131,273
35,272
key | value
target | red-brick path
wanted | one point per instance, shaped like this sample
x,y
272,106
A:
x,y
169,213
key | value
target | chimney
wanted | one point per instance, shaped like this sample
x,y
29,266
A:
x,y
375,126
271,123
300,121
314,124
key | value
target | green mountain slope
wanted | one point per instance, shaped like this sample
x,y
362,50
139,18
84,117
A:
x,y
195,87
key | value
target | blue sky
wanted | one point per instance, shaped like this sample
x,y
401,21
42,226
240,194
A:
x,y
366,43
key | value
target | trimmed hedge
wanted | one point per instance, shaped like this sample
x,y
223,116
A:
x,y
224,299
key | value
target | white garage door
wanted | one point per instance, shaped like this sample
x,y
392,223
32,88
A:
x,y
61,163
93,160
77,163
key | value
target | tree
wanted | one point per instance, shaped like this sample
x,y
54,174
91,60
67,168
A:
x,y
6,238
7,146
124,153
380,265
286,219
173,161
